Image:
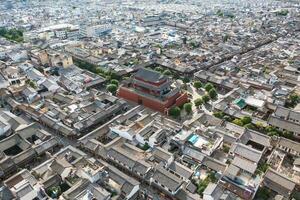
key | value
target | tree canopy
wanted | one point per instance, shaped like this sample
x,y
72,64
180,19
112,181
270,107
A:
x,y
246,120
187,107
114,81
205,98
197,84
167,72
208,87
198,102
212,93
112,88
174,112
12,34
185,80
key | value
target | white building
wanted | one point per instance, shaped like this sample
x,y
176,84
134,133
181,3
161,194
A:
x,y
94,31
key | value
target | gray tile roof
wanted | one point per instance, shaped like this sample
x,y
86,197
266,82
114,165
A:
x,y
181,169
193,153
257,137
279,183
232,170
281,112
247,152
141,167
289,144
149,75
284,124
121,156
213,190
122,179
214,164
161,154
166,178
244,164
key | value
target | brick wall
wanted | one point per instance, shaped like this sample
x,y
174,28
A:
x,y
160,106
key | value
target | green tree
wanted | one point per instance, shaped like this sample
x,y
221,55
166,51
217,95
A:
x,y
31,83
287,134
112,75
272,133
227,118
197,84
187,107
259,126
145,147
12,34
238,122
220,13
292,100
112,88
158,69
174,112
262,168
249,126
198,102
212,93
246,120
208,87
282,12
185,80
54,191
262,193
226,149
202,184
108,78
99,71
270,129
294,97
205,98
167,72
219,115
114,81
212,177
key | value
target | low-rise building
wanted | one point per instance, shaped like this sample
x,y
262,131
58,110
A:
x,y
278,183
286,119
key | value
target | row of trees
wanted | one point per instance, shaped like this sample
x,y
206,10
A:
x,y
176,111
209,88
162,71
283,12
109,75
211,94
12,34
247,122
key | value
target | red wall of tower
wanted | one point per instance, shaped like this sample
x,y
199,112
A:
x,y
160,106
